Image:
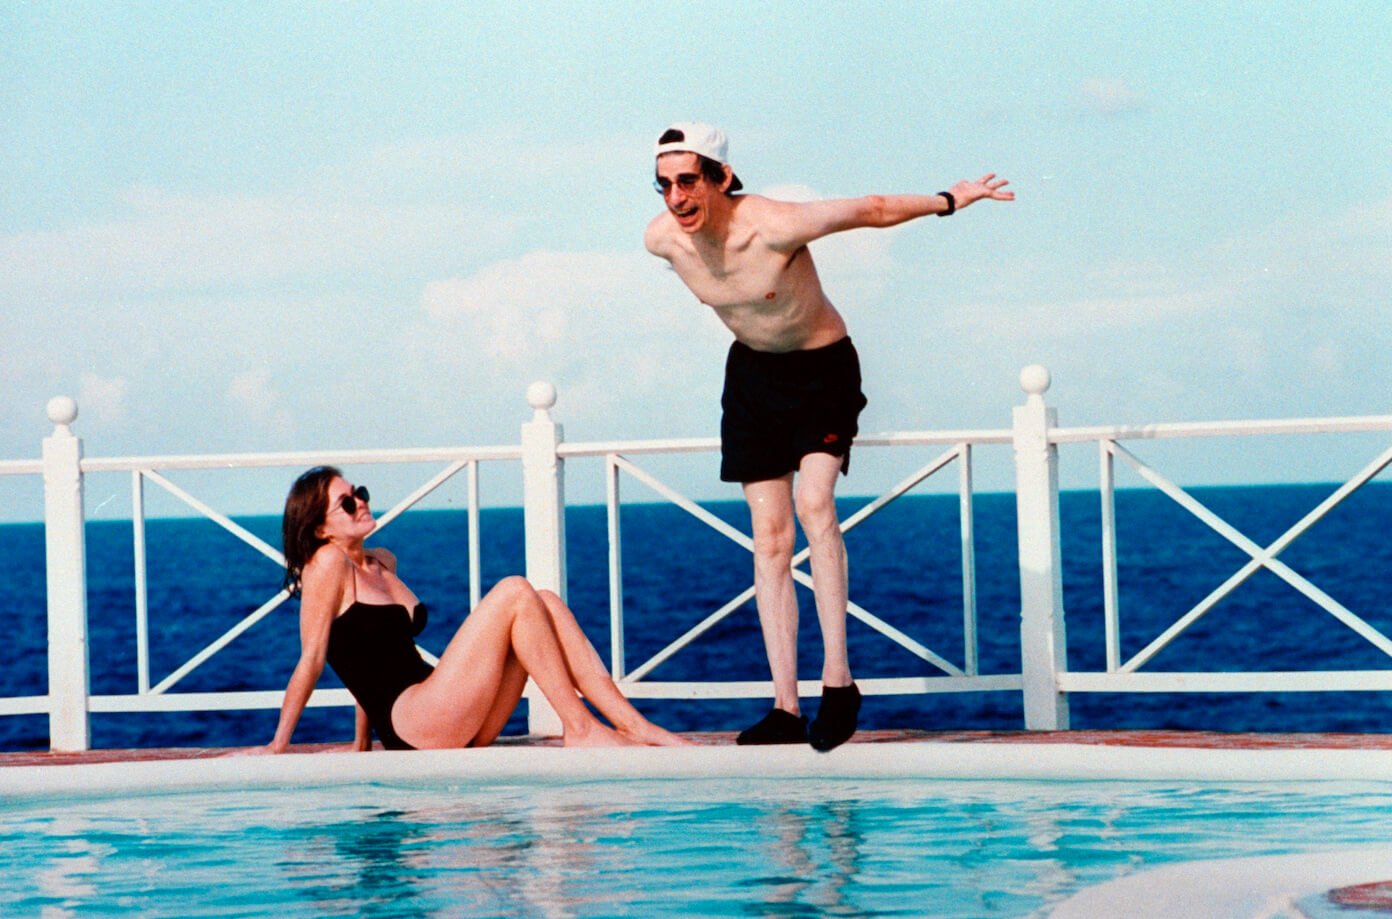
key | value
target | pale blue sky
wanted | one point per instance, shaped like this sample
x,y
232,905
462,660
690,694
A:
x,y
274,226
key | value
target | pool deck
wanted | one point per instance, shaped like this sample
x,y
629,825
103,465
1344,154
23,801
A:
x,y
1115,756
1197,740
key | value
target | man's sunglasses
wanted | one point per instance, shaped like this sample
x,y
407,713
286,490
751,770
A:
x,y
686,181
349,502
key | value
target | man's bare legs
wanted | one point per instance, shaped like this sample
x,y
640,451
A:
x,y
839,712
816,511
772,505
771,518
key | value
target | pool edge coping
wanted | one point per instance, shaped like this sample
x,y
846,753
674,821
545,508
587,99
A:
x,y
927,760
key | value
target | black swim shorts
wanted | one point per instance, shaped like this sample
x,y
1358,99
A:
x,y
779,407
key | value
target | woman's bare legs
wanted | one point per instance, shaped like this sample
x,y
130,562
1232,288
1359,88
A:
x,y
474,681
588,673
509,694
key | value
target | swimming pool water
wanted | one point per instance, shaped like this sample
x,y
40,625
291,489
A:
x,y
648,848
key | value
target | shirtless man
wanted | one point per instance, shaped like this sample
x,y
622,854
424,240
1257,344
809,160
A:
x,y
792,389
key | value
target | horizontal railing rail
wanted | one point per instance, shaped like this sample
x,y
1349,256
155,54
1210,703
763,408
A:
x,y
299,459
1258,428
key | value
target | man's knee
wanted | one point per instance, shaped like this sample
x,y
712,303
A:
x,y
774,538
816,511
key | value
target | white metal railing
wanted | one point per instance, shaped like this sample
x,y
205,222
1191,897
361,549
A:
x,y
1044,678
617,458
144,469
63,467
1126,675
545,452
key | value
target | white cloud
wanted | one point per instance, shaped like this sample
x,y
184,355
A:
x,y
164,242
545,301
102,400
252,397
399,211
1327,358
472,166
1285,322
1090,316
588,320
1352,246
628,347
1111,96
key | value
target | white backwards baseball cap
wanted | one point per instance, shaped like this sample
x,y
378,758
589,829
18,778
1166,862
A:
x,y
701,139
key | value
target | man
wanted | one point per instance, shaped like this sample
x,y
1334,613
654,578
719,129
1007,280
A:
x,y
792,389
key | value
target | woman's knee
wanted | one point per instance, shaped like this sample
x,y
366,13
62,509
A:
x,y
554,604
509,597
562,618
514,588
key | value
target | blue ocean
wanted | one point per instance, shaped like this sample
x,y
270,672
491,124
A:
x,y
905,565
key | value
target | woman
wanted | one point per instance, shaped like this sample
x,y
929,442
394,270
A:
x,y
359,616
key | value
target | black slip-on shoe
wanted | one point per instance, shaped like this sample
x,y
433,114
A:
x,y
777,726
836,718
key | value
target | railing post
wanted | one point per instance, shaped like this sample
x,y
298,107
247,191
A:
x,y
543,515
1043,649
66,563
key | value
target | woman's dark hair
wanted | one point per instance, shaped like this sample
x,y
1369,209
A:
x,y
305,509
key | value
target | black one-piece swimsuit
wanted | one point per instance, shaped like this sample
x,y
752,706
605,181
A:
x,y
372,648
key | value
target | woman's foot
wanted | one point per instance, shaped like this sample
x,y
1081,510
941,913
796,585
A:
x,y
651,735
595,735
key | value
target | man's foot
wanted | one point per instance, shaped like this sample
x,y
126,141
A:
x,y
836,718
777,726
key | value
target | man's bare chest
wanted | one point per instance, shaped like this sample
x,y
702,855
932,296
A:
x,y
735,283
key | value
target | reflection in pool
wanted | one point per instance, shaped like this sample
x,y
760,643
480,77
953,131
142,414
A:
x,y
650,847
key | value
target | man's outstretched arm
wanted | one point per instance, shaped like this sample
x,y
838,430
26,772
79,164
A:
x,y
792,225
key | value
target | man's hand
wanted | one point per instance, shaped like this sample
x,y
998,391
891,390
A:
x,y
988,186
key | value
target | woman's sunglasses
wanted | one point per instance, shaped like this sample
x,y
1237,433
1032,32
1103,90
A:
x,y
349,502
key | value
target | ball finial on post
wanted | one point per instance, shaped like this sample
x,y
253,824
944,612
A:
x,y
62,411
541,396
1035,380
